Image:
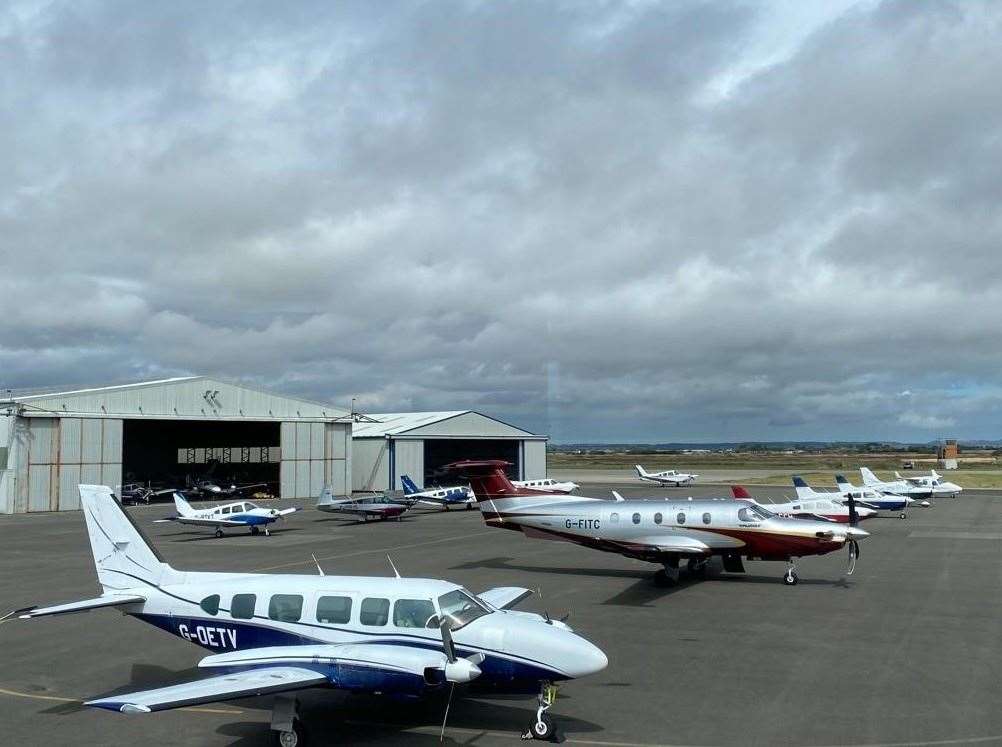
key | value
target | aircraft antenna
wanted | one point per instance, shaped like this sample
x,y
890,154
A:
x,y
395,571
317,563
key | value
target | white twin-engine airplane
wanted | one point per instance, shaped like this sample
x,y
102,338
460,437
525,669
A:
x,y
668,477
548,485
279,633
935,481
228,515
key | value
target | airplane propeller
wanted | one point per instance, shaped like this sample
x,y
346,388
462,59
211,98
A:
x,y
850,541
456,669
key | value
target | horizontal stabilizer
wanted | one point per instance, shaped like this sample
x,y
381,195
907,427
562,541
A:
x,y
213,689
505,597
84,605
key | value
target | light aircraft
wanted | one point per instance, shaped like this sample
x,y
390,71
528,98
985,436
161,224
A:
x,y
444,497
899,487
876,499
667,477
228,515
280,633
933,480
212,489
663,532
548,484
363,509
817,506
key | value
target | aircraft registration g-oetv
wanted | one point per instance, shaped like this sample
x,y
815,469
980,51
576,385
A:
x,y
280,633
228,515
657,531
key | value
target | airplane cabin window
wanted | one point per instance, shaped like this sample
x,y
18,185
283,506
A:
x,y
706,518
680,518
745,514
412,613
225,510
636,518
374,611
614,517
657,518
210,604
285,607
334,610
242,606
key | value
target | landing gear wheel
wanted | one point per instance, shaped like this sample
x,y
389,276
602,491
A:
x,y
219,533
469,506
294,738
254,530
902,515
791,578
542,729
697,568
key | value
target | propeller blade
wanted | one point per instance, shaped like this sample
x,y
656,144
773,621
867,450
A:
x,y
448,702
450,647
853,554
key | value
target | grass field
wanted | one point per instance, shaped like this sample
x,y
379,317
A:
x,y
816,468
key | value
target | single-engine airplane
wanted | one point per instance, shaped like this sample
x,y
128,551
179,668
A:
x,y
875,499
459,495
667,477
898,487
657,531
547,484
280,633
818,506
371,507
228,515
940,487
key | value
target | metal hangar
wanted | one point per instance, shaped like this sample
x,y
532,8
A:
x,y
164,430
388,445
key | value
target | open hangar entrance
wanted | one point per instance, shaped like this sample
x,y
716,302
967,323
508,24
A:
x,y
418,444
438,453
181,452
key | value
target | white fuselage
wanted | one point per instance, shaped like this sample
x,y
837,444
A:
x,y
548,484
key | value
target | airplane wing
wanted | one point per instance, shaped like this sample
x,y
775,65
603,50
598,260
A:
x,y
213,689
84,605
505,597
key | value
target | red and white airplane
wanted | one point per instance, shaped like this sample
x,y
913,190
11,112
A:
x,y
818,507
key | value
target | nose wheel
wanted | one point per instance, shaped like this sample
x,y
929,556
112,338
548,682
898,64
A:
x,y
543,728
790,578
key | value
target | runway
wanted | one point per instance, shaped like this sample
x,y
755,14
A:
x,y
902,652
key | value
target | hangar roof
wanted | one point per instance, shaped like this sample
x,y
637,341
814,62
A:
x,y
447,424
182,398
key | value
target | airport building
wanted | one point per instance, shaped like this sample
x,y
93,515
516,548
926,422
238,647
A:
x,y
166,431
388,445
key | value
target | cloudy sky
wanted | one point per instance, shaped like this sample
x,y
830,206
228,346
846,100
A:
x,y
608,221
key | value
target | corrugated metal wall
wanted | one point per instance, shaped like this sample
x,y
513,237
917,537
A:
x,y
57,454
408,459
533,460
314,455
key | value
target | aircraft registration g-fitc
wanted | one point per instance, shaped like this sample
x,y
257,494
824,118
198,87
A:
x,y
277,634
659,531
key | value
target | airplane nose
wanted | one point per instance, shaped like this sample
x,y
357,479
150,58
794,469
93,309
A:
x,y
856,533
588,659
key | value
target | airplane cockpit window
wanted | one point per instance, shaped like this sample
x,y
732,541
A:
x,y
249,507
460,607
762,513
745,514
210,605
412,613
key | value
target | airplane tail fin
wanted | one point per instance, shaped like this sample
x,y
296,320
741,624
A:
x,y
122,553
898,475
741,492
868,477
934,474
641,471
183,507
409,487
803,489
842,483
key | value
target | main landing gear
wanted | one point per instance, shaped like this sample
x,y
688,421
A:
x,y
668,575
256,530
791,578
285,722
219,533
543,727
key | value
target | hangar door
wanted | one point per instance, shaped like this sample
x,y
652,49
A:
x,y
314,455
61,454
440,452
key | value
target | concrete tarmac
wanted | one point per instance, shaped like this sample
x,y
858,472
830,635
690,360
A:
x,y
905,651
